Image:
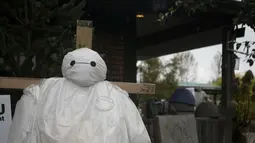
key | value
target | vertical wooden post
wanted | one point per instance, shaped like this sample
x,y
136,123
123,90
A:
x,y
227,78
84,34
130,57
227,65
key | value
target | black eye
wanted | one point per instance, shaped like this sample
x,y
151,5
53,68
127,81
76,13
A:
x,y
93,64
72,63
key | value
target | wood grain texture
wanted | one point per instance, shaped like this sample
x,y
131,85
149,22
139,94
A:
x,y
211,130
84,34
21,83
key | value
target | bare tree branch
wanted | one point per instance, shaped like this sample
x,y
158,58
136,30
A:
x,y
216,65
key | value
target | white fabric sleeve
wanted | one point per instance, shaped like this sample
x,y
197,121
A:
x,y
136,129
23,115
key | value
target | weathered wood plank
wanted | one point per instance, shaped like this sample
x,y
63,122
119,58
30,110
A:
x,y
84,34
21,83
211,130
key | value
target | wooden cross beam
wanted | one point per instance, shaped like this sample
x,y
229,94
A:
x,y
21,83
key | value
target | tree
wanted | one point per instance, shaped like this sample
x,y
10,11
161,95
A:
x,y
170,77
217,81
216,65
162,74
186,66
150,70
244,97
243,92
35,35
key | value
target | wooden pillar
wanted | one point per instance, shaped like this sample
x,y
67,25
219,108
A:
x,y
227,78
115,36
108,40
130,58
227,65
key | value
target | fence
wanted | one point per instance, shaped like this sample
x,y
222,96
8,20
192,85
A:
x,y
208,130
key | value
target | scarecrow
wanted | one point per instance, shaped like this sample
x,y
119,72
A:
x,y
81,107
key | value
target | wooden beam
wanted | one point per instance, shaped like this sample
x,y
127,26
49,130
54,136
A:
x,y
195,41
21,83
202,39
201,24
84,34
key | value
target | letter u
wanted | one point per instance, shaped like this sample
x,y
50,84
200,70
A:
x,y
2,111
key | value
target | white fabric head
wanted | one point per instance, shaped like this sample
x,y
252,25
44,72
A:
x,y
82,73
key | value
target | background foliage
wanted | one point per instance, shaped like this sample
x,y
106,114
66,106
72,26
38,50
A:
x,y
244,98
36,34
180,68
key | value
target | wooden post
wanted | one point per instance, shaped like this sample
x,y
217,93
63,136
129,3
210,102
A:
x,y
227,78
84,34
130,57
227,65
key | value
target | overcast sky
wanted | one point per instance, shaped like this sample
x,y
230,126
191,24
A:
x,y
204,58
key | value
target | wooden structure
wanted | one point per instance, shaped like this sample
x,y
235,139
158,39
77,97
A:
x,y
208,130
84,38
84,34
125,39
142,38
21,83
211,130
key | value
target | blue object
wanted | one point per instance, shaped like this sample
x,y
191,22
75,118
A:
x,y
184,96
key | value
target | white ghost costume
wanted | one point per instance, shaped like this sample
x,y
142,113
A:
x,y
81,107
